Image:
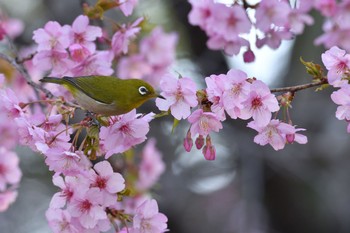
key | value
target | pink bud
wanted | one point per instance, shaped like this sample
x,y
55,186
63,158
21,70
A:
x,y
290,138
188,143
209,152
248,56
199,142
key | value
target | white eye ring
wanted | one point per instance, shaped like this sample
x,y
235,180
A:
x,y
143,90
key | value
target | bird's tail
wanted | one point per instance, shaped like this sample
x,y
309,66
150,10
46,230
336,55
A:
x,y
52,80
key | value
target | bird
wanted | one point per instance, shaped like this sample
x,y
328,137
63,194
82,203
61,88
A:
x,y
106,95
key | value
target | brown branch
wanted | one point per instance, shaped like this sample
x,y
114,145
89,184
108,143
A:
x,y
300,87
23,71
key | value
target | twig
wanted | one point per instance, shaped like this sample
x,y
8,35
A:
x,y
25,74
300,87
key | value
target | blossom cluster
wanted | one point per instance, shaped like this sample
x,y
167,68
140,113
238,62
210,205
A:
x,y
337,62
271,21
233,94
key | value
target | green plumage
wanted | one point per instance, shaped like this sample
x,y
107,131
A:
x,y
106,95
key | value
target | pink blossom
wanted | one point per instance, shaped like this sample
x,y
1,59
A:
x,y
230,47
274,37
79,53
328,8
204,122
151,166
121,39
215,90
60,221
30,134
209,151
342,98
236,90
11,27
128,6
180,96
337,63
148,219
159,47
9,104
276,133
87,208
228,22
67,162
297,19
271,12
52,37
134,66
84,34
108,182
126,131
57,60
201,12
248,56
98,63
188,142
69,187
10,174
6,199
260,104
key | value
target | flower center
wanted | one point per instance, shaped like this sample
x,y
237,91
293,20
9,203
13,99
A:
x,y
256,102
101,182
85,206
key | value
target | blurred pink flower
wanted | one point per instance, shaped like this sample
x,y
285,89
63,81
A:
x,y
342,98
151,166
99,63
6,199
215,90
134,66
60,221
148,219
10,173
180,96
121,39
128,6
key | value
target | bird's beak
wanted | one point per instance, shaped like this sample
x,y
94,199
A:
x,y
160,96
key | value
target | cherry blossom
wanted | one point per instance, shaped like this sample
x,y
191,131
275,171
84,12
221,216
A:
x,y
180,96
204,122
10,174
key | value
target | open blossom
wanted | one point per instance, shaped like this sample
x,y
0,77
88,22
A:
x,y
66,162
203,123
9,104
128,130
236,90
337,63
87,207
98,63
215,91
277,134
180,96
10,174
52,37
69,186
55,60
151,166
148,219
121,39
109,182
260,104
83,34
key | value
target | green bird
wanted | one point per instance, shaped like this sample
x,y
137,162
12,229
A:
x,y
106,95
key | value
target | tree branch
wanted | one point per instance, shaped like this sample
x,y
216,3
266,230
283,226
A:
x,y
300,87
25,74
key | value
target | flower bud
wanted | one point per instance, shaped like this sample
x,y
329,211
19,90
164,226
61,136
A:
x,y
188,142
248,56
199,142
290,138
209,152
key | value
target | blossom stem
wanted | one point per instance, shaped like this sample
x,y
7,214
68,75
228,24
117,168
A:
x,y
300,87
25,74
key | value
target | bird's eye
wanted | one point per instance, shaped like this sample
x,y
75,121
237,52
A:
x,y
143,90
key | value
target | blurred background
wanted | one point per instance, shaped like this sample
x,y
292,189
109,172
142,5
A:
x,y
248,188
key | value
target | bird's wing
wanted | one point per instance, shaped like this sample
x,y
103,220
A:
x,y
94,88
